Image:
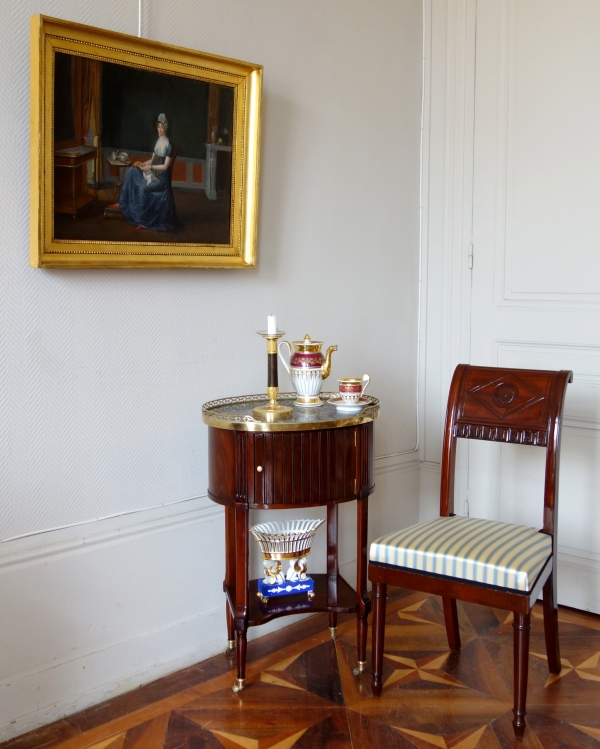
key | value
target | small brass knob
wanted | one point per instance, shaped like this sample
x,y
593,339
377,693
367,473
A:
x,y
259,469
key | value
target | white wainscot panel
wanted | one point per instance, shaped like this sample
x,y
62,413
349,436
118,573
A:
x,y
94,615
552,178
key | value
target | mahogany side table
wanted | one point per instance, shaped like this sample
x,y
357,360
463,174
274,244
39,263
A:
x,y
71,196
321,456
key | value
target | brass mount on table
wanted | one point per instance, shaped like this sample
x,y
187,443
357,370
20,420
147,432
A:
x,y
237,413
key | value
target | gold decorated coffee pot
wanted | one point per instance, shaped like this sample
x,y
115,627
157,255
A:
x,y
307,368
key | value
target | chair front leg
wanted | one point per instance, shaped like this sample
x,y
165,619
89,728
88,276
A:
x,y
551,624
522,625
451,619
380,595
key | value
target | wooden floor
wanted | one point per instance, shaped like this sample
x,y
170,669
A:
x,y
200,221
301,692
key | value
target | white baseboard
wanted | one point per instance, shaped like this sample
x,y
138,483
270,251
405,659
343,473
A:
x,y
98,676
105,674
93,611
579,579
85,617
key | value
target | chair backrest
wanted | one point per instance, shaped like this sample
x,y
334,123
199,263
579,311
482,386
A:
x,y
522,406
176,152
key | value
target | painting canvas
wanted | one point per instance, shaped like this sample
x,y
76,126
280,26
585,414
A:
x,y
140,159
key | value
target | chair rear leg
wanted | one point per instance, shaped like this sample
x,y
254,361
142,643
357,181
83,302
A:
x,y
522,625
451,619
380,595
551,624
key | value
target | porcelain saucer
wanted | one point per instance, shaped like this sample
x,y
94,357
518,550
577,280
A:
x,y
339,403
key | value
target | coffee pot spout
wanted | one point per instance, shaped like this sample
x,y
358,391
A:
x,y
326,366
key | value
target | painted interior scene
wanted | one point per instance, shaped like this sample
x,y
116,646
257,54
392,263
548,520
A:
x,y
140,156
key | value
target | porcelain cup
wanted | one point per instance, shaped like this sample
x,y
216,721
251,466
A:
x,y
352,388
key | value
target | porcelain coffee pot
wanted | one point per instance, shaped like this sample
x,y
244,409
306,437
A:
x,y
307,368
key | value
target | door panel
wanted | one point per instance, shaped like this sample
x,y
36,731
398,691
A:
x,y
536,271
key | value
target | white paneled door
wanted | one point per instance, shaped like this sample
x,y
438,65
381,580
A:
x,y
535,294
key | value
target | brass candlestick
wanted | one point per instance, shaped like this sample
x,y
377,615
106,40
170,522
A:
x,y
273,411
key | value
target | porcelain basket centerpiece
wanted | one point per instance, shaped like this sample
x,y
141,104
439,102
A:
x,y
307,368
289,540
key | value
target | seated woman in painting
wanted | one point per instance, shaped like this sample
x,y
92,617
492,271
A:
x,y
146,199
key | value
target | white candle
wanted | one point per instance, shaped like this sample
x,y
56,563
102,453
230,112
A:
x,y
271,324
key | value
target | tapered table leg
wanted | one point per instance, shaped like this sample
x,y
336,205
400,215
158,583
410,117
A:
x,y
332,566
240,682
362,599
229,581
241,593
333,624
230,631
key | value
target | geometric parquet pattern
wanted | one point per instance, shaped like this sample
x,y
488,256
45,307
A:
x,y
305,696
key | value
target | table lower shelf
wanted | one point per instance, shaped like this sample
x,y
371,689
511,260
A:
x,y
72,206
331,594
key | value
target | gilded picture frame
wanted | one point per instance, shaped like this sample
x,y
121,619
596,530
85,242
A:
x,y
102,195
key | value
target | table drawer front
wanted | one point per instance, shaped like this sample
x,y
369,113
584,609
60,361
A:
x,y
290,468
302,467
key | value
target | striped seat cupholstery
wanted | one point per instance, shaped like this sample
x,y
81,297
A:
x,y
483,551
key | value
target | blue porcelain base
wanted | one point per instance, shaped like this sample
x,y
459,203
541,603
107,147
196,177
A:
x,y
272,590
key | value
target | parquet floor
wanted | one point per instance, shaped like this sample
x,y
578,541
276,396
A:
x,y
301,692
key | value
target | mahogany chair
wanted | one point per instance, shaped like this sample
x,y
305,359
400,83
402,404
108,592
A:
x,y
482,561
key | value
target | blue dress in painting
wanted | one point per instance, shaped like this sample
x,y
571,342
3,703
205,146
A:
x,y
146,198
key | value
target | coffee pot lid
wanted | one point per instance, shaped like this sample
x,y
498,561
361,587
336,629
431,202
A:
x,y
307,341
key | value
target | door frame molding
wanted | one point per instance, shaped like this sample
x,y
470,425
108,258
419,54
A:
x,y
447,200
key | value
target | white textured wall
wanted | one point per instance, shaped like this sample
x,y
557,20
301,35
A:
x,y
103,372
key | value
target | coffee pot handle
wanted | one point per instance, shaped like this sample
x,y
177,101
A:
x,y
286,364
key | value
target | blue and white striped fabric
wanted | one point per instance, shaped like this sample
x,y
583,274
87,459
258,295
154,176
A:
x,y
484,551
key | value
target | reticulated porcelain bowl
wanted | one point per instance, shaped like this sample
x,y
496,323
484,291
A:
x,y
285,539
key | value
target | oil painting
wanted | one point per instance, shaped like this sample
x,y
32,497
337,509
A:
x,y
142,154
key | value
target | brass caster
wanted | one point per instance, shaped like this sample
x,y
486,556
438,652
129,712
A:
x,y
333,632
362,666
311,594
238,686
230,649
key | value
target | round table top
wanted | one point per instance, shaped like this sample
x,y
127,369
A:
x,y
237,413
117,162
